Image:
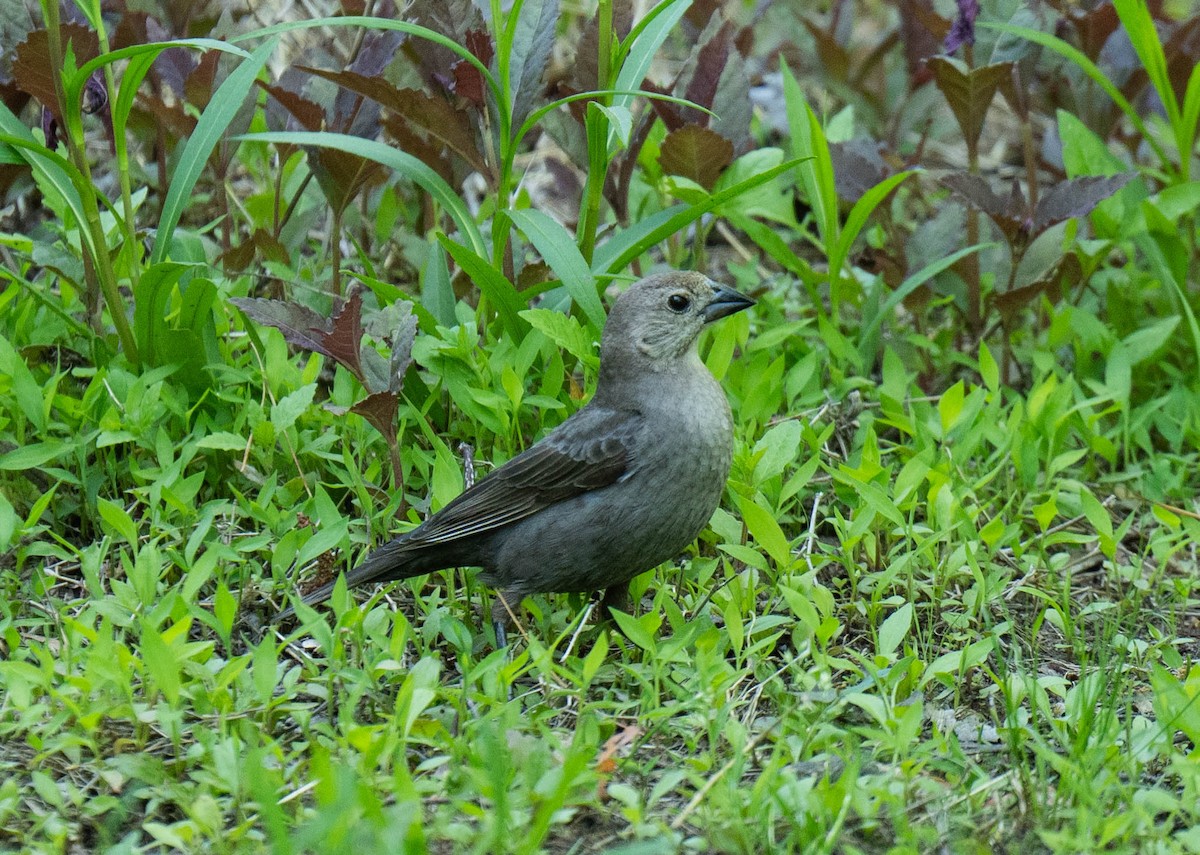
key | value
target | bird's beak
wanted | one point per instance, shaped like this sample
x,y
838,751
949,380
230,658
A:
x,y
725,301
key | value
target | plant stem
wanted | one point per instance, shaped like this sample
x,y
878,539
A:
x,y
335,249
121,150
73,133
596,125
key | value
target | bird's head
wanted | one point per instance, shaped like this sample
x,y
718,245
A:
x,y
657,319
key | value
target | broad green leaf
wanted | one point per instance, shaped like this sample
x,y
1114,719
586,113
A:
x,y
558,249
766,532
893,630
1097,515
950,406
25,388
118,520
958,661
150,308
161,662
32,456
289,408
780,446
566,332
988,369
223,441
639,630
437,295
492,284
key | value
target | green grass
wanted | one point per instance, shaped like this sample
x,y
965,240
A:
x,y
951,600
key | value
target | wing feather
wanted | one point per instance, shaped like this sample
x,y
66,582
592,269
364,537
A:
x,y
590,450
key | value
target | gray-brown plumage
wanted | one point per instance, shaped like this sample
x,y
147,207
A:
x,y
624,484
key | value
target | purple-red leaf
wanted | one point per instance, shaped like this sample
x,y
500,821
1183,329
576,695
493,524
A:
x,y
429,114
31,65
1067,272
969,92
922,30
1011,214
1075,197
339,337
858,165
468,81
307,113
379,409
696,153
707,66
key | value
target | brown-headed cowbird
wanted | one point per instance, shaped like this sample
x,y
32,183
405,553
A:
x,y
622,485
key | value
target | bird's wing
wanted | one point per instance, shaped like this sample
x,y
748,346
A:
x,y
590,450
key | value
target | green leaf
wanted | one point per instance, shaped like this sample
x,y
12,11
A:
x,y
417,692
437,294
559,251
263,670
150,308
32,456
566,332
811,149
878,500
1045,513
223,441
1177,702
958,661
857,218
893,630
780,446
118,520
765,530
988,369
287,409
1142,344
24,387
636,53
161,662
950,406
55,174
639,630
869,334
1097,515
492,284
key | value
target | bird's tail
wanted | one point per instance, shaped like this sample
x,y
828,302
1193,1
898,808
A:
x,y
394,560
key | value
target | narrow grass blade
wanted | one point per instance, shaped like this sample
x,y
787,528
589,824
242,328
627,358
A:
x,y
226,101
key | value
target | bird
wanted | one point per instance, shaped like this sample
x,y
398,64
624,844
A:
x,y
622,485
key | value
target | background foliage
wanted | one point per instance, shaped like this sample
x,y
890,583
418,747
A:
x,y
274,289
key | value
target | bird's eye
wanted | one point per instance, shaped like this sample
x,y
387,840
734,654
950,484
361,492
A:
x,y
678,303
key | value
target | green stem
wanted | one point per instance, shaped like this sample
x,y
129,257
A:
x,y
596,124
121,149
335,249
73,133
503,28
